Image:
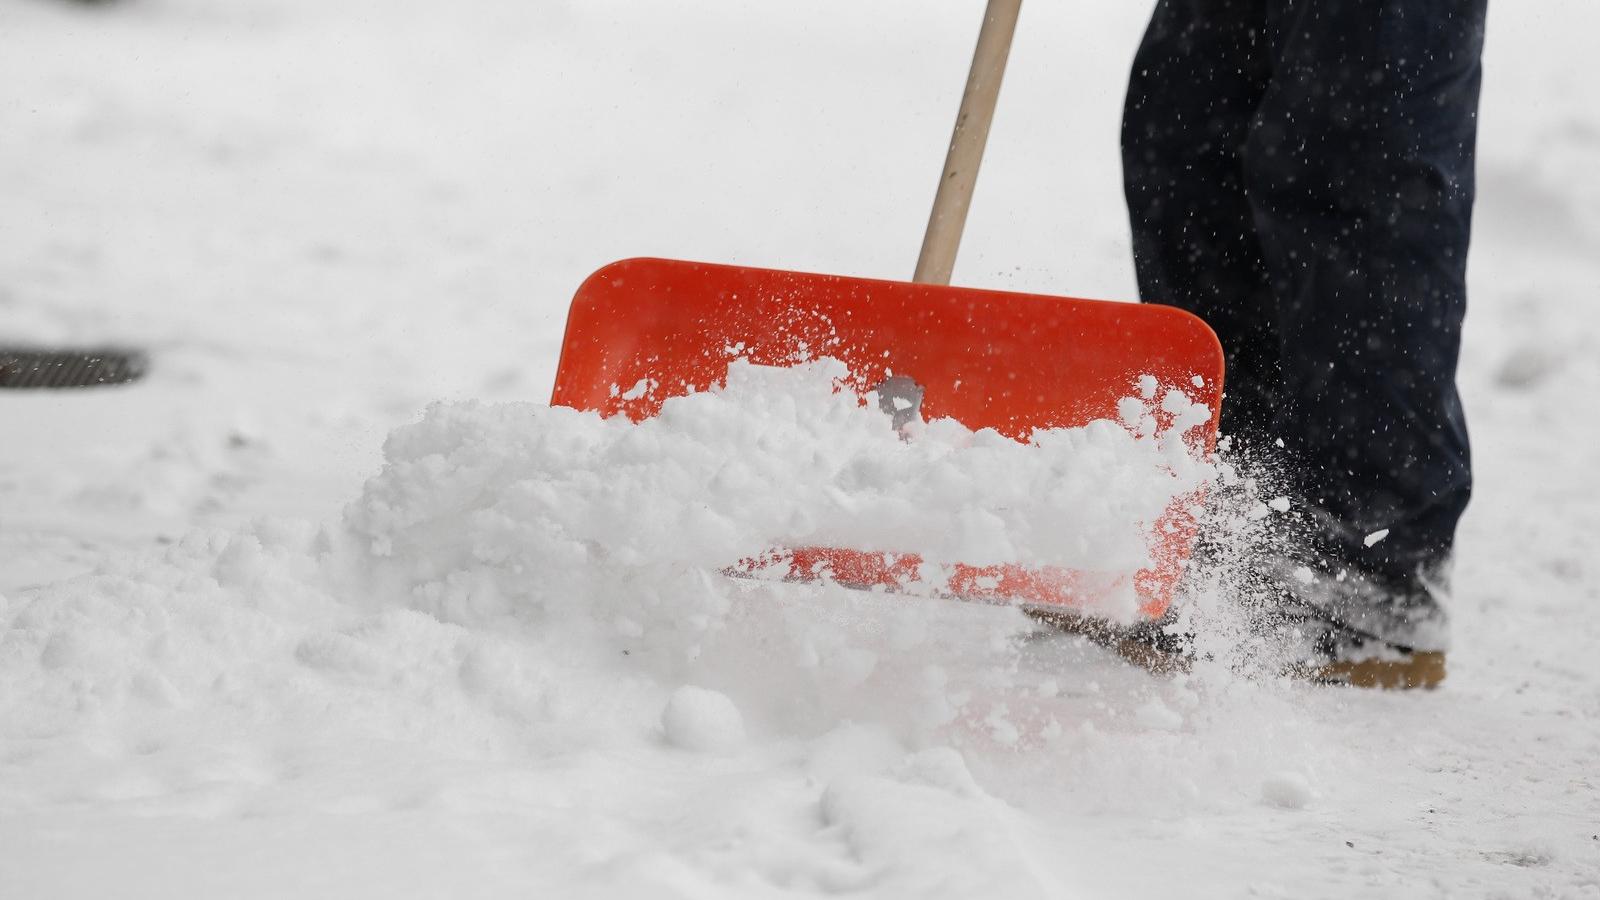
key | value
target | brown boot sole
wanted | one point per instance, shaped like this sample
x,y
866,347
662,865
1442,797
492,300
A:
x,y
1419,669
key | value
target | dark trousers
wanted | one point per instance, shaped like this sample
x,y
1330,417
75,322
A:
x,y
1300,175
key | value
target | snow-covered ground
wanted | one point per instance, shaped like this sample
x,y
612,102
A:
x,y
323,216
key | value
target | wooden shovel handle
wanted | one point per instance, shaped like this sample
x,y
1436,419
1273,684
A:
x,y
950,204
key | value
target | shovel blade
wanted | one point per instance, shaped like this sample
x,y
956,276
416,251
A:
x,y
641,331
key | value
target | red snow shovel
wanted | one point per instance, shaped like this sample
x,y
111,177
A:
x,y
1013,362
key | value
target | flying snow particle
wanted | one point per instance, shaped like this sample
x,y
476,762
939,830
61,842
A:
x,y
640,388
1376,536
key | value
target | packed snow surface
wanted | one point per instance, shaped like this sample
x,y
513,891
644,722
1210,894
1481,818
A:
x,y
247,654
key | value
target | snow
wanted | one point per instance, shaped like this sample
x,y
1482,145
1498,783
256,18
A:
x,y
779,457
698,719
247,654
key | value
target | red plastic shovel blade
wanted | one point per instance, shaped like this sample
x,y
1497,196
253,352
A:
x,y
988,359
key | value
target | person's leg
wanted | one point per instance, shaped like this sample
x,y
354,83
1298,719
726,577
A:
x,y
1199,75
1359,172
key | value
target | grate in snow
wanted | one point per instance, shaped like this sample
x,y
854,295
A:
x,y
67,369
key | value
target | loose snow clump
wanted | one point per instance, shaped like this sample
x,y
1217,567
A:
x,y
699,719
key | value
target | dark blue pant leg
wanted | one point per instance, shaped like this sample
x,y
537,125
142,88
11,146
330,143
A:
x,y
1359,171
1299,174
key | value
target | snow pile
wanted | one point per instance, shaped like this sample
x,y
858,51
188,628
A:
x,y
487,510
613,535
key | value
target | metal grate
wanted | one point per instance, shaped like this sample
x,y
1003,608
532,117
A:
x,y
69,369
